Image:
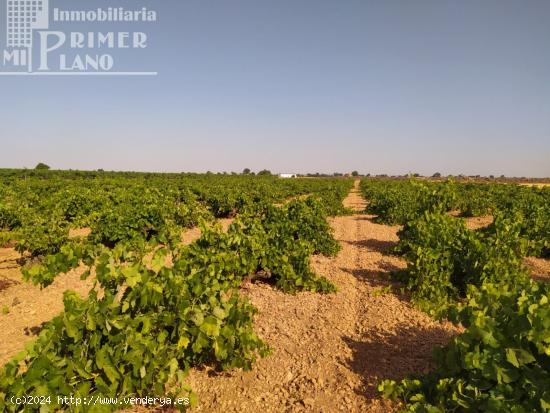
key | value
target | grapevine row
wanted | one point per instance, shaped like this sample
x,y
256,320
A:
x,y
501,362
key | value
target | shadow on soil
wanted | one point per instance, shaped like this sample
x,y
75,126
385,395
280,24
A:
x,y
394,355
7,283
542,278
372,277
35,330
9,267
8,264
366,217
381,279
383,247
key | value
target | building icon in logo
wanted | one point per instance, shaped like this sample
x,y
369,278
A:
x,y
24,16
29,36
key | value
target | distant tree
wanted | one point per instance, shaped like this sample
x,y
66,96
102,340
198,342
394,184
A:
x,y
42,166
100,170
337,174
416,175
436,175
491,177
355,173
246,171
264,172
367,175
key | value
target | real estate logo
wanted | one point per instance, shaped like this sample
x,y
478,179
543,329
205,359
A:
x,y
33,47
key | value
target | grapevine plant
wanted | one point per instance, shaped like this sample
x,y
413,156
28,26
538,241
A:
x,y
501,362
158,307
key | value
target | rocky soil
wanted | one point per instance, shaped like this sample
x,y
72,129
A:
x,y
330,351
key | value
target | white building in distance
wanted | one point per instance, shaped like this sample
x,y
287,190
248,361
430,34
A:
x,y
287,175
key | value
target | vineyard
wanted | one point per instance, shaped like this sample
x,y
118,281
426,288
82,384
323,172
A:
x,y
157,307
324,284
501,362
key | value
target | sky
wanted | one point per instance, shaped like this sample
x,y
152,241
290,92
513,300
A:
x,y
382,87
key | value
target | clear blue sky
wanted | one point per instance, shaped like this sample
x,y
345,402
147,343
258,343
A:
x,y
304,86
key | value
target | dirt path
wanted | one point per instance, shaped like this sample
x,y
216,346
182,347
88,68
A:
x,y
331,350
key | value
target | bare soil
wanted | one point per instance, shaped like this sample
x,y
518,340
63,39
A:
x,y
330,351
79,232
474,223
29,306
540,268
